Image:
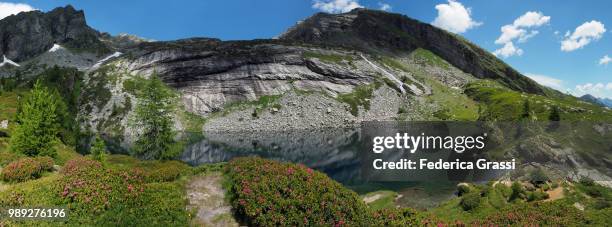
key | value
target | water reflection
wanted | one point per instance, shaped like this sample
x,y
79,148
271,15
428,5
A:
x,y
334,151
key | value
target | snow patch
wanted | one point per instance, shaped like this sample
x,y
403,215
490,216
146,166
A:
x,y
55,48
99,63
8,61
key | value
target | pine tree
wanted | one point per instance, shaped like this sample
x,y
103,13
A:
x,y
98,150
38,123
554,114
153,116
526,110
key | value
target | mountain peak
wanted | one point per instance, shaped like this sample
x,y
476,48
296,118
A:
x,y
29,34
379,31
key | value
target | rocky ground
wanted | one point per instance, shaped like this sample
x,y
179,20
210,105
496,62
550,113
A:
x,y
308,111
207,199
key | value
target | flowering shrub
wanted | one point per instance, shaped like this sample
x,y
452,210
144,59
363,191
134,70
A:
x,y
25,169
536,214
46,163
269,193
397,217
89,188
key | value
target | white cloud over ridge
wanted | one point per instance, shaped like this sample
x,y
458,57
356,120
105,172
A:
x,y
385,6
583,35
336,6
546,80
454,17
605,60
519,30
7,8
600,90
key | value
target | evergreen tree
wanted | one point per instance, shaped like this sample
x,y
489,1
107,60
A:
x,y
554,114
153,116
98,150
526,113
38,123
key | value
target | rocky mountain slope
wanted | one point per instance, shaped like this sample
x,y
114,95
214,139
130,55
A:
x,y
331,70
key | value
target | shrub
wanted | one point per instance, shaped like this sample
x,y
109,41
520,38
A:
x,y
166,171
25,169
517,191
46,163
8,157
470,201
536,214
269,193
537,195
463,189
396,217
89,188
98,150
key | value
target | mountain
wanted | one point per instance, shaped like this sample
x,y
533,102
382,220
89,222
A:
x,y
372,30
605,102
29,34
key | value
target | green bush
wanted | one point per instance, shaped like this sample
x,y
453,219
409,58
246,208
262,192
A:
x,y
26,169
463,189
98,150
269,193
46,163
470,201
8,157
537,195
166,171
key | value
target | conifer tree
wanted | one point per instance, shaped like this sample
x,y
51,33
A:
x,y
153,116
38,123
98,150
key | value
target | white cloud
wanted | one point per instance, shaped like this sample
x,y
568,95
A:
x,y
385,6
595,89
7,8
508,50
583,35
531,19
605,60
454,17
519,30
546,80
336,6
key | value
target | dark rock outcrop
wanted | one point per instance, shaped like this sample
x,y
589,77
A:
x,y
376,31
29,34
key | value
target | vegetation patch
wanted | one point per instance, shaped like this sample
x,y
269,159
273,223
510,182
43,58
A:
x,y
429,58
329,58
360,96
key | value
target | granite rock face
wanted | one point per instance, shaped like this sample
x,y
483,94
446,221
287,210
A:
x,y
29,34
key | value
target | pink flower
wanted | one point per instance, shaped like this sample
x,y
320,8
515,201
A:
x,y
290,171
130,188
310,171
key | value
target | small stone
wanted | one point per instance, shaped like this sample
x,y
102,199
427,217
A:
x,y
329,110
274,110
4,124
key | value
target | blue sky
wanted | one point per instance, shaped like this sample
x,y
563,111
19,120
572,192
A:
x,y
533,44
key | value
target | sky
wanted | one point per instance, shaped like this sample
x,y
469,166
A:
x,y
566,45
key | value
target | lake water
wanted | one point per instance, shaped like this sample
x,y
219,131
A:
x,y
334,151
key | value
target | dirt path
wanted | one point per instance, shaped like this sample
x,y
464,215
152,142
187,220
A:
x,y
555,194
207,198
